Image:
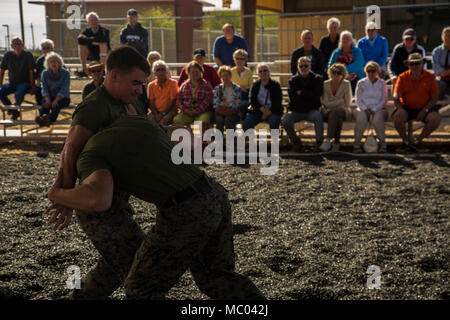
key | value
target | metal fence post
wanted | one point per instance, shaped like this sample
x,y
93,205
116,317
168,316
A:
x,y
261,38
151,34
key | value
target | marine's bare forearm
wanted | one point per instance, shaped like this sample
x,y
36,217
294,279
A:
x,y
76,139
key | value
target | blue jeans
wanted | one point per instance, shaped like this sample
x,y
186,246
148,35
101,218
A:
x,y
313,116
19,89
251,121
63,103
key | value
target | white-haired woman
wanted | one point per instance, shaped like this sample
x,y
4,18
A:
x,y
330,42
55,82
47,46
265,100
350,56
371,98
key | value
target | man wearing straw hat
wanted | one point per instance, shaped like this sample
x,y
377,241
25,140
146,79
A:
x,y
415,95
96,71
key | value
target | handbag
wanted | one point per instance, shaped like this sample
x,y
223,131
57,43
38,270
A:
x,y
371,143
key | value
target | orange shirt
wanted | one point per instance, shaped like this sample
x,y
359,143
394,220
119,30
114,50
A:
x,y
162,95
416,94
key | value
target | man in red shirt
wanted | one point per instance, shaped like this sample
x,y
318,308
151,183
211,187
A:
x,y
209,73
415,95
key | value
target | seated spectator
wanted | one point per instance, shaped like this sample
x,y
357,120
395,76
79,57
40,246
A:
x,y
96,71
242,76
415,95
304,90
209,73
226,45
151,58
20,66
351,57
336,99
227,97
371,98
47,46
55,81
330,42
194,98
401,52
134,34
93,43
265,100
318,64
441,63
374,47
162,94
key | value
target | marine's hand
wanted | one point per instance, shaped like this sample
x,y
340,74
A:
x,y
60,219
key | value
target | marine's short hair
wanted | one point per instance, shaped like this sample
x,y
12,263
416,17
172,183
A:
x,y
125,58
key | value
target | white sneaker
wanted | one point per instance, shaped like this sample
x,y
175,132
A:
x,y
336,147
325,146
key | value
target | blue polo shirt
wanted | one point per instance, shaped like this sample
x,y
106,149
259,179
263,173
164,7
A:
x,y
376,50
224,51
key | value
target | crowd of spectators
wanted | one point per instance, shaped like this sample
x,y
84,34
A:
x,y
324,81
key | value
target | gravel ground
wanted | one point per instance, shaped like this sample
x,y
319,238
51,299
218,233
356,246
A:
x,y
310,231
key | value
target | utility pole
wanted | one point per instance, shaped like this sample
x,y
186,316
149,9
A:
x,y
8,39
32,34
21,22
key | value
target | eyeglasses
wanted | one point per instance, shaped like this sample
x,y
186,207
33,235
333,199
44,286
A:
x,y
96,70
239,58
371,71
46,48
263,70
409,39
371,30
303,66
339,73
160,69
415,63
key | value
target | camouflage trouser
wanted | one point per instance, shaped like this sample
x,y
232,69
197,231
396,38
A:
x,y
195,234
117,236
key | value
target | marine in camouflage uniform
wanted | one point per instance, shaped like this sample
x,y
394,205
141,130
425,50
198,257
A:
x,y
95,113
193,228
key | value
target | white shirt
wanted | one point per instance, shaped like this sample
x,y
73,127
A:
x,y
371,96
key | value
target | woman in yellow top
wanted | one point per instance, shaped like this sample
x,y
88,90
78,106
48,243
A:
x,y
242,76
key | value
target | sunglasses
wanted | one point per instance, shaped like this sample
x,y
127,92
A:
x,y
339,73
371,71
263,70
239,58
160,69
409,39
46,48
96,70
415,63
371,30
303,66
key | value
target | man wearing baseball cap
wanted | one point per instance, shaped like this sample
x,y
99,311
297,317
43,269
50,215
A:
x,y
134,34
209,74
415,95
401,52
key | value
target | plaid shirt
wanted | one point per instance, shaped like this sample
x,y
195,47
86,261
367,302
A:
x,y
203,102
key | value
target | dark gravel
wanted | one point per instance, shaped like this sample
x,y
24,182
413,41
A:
x,y
308,232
